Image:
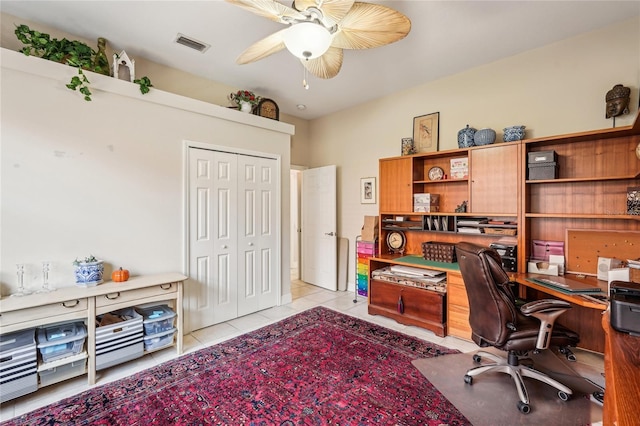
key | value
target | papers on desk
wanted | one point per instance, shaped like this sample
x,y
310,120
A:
x,y
420,272
406,275
633,263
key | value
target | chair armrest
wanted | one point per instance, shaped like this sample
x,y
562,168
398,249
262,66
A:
x,y
544,305
546,310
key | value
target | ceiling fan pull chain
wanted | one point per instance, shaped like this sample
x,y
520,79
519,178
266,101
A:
x,y
304,78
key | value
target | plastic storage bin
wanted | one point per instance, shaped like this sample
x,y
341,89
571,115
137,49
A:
x,y
61,340
49,376
121,341
18,364
157,319
159,340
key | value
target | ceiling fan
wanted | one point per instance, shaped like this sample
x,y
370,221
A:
x,y
319,30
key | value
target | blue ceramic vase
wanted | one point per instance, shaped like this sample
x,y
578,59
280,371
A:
x,y
513,133
484,137
465,137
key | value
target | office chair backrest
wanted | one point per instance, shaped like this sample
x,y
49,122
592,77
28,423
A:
x,y
492,310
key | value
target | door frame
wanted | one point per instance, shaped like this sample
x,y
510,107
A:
x,y
188,144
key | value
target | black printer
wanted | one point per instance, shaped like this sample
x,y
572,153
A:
x,y
625,306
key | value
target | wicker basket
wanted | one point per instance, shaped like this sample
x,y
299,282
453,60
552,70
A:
x,y
439,252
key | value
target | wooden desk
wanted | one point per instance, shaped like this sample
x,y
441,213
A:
x,y
421,307
584,318
622,376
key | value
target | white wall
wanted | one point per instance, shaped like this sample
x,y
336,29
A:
x,y
552,90
107,177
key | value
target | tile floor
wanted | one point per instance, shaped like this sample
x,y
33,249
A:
x,y
304,296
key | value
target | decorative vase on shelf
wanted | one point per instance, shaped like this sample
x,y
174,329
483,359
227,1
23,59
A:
x,y
246,107
484,137
465,137
89,274
513,133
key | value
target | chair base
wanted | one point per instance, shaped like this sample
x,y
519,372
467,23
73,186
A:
x,y
517,371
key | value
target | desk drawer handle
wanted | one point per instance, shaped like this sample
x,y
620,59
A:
x,y
166,286
71,303
112,296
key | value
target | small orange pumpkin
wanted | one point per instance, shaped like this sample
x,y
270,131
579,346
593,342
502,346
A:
x,y
120,275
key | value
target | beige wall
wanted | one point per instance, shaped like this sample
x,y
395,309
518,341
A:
x,y
108,177
552,90
163,78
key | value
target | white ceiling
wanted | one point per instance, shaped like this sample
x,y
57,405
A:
x,y
446,37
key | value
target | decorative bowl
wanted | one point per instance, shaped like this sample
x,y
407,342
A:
x,y
484,137
513,133
465,137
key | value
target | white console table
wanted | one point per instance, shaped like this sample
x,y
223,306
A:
x,y
71,303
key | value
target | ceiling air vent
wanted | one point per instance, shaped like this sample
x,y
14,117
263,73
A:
x,y
192,43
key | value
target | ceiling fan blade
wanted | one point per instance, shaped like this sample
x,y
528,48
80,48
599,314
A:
x,y
327,65
370,25
333,10
270,9
263,48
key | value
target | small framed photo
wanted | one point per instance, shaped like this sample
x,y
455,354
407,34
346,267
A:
x,y
368,190
426,132
407,146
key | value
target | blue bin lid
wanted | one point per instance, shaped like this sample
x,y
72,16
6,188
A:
x,y
61,333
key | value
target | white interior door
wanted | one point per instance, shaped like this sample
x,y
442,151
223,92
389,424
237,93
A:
x,y
213,241
319,228
257,234
234,248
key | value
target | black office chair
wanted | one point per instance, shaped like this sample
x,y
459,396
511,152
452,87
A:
x,y
496,321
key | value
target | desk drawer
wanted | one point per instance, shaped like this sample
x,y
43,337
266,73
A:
x,y
116,297
47,313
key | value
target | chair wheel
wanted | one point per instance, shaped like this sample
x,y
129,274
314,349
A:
x,y
524,408
477,358
563,395
468,379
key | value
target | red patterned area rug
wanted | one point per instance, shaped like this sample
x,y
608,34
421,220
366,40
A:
x,y
318,367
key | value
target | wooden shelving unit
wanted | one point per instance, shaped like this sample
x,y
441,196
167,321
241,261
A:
x,y
596,168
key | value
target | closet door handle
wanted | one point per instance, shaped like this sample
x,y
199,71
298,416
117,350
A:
x,y
224,247
250,244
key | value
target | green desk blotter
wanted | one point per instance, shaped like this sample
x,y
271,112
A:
x,y
421,261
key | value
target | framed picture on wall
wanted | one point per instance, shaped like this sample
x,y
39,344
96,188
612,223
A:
x,y
426,132
368,190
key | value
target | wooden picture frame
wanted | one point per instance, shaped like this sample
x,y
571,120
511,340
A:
x,y
426,132
368,190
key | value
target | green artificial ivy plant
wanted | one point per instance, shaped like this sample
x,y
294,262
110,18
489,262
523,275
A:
x,y
73,53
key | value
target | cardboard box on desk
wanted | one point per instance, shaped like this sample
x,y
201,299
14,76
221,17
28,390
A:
x,y
370,229
427,202
545,268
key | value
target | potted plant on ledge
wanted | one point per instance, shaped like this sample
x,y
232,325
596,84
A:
x,y
89,272
245,99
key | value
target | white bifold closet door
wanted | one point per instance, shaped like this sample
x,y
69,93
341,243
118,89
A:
x,y
233,237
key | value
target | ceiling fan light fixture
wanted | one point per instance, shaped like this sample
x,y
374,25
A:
x,y
307,40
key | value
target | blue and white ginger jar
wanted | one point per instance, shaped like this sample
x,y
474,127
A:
x,y
513,133
465,137
89,274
